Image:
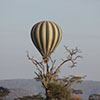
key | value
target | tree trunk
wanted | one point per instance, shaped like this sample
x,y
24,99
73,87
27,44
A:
x,y
47,94
0,98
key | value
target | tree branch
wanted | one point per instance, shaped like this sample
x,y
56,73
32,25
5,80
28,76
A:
x,y
70,58
52,67
71,81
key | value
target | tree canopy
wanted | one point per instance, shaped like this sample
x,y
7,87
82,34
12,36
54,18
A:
x,y
4,91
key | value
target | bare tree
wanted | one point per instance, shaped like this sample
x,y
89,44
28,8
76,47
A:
x,y
46,74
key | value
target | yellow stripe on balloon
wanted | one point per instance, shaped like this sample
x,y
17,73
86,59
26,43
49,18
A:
x,y
50,37
56,37
60,35
44,36
38,37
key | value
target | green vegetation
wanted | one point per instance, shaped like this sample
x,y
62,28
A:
x,y
34,97
56,91
3,92
94,97
59,92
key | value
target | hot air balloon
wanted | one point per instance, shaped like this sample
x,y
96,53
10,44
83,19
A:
x,y
46,36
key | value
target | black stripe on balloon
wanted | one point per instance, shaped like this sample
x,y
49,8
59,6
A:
x,y
35,38
41,40
58,36
47,36
53,31
32,35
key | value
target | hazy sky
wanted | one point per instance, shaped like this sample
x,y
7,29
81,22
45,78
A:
x,y
80,24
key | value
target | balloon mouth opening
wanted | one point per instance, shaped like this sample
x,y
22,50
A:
x,y
46,59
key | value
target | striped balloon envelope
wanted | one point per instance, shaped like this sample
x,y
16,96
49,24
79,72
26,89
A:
x,y
46,36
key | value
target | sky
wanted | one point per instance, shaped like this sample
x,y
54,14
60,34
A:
x,y
80,24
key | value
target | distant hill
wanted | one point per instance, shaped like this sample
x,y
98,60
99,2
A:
x,y
88,88
30,86
27,84
15,93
